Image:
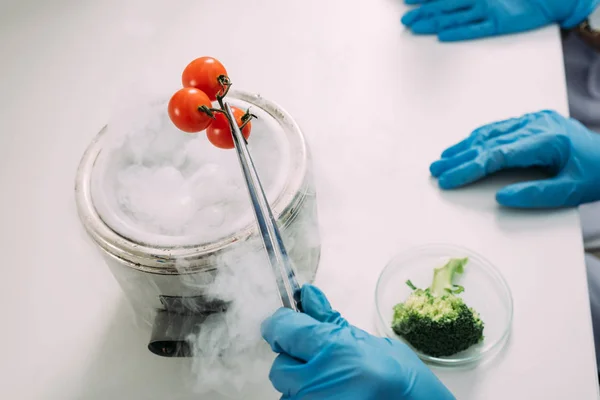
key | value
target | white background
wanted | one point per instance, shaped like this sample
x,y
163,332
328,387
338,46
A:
x,y
377,106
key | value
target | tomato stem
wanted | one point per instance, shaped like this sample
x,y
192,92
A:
x,y
225,83
207,111
244,124
210,111
246,118
225,86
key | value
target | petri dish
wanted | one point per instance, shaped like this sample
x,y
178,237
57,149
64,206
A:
x,y
485,290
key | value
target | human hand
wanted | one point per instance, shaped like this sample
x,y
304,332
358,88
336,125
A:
x,y
323,357
454,20
544,139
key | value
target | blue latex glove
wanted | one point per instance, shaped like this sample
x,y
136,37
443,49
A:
x,y
323,357
569,151
454,20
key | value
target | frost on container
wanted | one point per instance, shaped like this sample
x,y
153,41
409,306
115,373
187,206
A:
x,y
171,215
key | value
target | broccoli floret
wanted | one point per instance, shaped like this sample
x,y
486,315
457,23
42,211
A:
x,y
435,320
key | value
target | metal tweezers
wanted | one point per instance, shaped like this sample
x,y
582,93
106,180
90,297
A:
x,y
284,271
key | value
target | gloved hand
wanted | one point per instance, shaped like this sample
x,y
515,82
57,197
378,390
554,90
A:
x,y
454,20
544,139
323,357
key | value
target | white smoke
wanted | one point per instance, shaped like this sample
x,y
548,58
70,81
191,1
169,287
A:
x,y
164,182
229,352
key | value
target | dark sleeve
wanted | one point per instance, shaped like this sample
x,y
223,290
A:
x,y
588,35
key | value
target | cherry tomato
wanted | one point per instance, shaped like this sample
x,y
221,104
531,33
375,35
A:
x,y
203,74
183,110
219,132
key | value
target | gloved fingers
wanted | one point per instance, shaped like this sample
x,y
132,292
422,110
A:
x,y
487,132
425,27
460,18
440,166
462,175
412,2
284,375
297,334
549,193
468,32
507,139
504,127
458,148
480,144
443,22
545,150
432,9
486,163
315,304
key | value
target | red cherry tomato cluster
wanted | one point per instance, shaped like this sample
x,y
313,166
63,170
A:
x,y
204,81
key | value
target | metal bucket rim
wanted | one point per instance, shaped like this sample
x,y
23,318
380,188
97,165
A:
x,y
169,259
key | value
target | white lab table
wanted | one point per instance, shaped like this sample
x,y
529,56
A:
x,y
377,106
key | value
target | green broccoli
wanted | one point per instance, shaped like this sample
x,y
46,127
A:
x,y
436,321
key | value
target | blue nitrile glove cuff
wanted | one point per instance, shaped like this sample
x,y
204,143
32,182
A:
x,y
583,9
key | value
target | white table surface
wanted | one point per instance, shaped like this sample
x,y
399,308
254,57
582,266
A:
x,y
377,105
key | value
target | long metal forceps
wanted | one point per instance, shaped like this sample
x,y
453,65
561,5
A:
x,y
283,268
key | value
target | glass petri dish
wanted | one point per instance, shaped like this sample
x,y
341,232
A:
x,y
485,290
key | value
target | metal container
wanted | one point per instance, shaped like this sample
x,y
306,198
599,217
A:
x,y
163,276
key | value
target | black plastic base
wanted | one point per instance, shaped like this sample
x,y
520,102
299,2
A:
x,y
170,332
181,318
